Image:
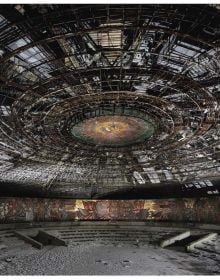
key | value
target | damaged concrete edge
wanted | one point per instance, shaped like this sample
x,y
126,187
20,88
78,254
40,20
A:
x,y
208,237
29,240
48,238
175,238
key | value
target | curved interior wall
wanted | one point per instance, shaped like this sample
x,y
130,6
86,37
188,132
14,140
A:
x,y
201,210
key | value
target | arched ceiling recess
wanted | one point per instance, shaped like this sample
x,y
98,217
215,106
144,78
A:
x,y
76,79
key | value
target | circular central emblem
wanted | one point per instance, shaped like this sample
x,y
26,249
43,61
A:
x,y
113,130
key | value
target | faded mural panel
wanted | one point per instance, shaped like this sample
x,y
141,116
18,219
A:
x,y
36,209
205,210
200,210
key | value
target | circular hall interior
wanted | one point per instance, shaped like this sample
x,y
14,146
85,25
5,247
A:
x,y
110,134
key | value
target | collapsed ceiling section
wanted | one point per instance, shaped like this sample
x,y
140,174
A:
x,y
76,79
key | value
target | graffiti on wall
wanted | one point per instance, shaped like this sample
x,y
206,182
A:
x,y
37,209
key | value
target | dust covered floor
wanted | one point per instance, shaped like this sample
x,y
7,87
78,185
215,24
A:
x,y
104,256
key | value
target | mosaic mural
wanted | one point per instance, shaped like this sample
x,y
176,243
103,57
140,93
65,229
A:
x,y
35,209
113,130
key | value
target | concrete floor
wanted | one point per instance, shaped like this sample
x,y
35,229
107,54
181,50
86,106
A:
x,y
105,257
97,259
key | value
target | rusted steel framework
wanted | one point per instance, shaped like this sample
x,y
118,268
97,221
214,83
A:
x,y
62,64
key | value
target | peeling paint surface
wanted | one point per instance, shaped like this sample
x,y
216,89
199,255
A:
x,y
204,210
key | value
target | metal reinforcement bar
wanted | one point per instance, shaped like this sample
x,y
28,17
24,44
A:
x,y
191,246
175,238
29,240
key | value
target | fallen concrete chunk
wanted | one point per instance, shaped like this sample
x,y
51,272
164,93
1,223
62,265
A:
x,y
8,260
175,238
2,246
191,246
47,238
29,240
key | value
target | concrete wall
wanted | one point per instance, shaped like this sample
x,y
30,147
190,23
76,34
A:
x,y
206,210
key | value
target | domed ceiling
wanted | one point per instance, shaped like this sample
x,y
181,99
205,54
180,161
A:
x,y
101,98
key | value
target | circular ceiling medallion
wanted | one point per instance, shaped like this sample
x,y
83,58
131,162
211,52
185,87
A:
x,y
113,130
